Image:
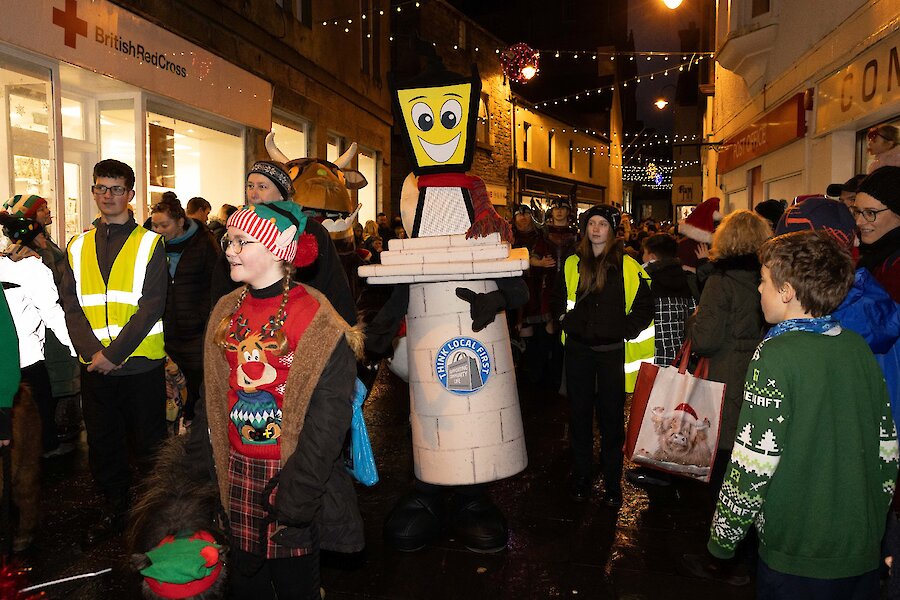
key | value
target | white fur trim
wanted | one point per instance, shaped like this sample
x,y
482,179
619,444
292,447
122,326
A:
x,y
695,233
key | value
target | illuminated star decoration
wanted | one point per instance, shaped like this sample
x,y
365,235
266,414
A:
x,y
20,110
520,62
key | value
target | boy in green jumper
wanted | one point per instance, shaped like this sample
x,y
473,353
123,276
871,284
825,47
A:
x,y
815,459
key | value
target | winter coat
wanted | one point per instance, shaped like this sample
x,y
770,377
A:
x,y
888,158
726,328
869,311
673,302
187,299
314,486
882,259
33,302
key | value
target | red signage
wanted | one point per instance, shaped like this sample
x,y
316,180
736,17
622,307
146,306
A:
x,y
779,127
69,21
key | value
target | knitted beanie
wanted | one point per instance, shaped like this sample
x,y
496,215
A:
x,y
19,230
884,185
612,215
276,174
819,213
182,567
700,224
276,225
771,210
21,205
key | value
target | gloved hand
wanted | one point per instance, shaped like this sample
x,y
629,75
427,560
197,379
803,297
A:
x,y
483,307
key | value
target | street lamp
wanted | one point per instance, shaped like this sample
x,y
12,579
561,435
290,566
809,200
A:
x,y
673,4
661,103
663,100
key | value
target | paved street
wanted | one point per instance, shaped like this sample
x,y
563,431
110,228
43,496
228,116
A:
x,y
557,549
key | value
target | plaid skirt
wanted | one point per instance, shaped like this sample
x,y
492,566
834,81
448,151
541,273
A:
x,y
247,477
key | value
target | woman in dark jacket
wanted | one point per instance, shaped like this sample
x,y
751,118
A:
x,y
728,323
192,254
606,309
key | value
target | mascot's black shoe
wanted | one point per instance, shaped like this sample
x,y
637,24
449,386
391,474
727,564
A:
x,y
479,525
414,521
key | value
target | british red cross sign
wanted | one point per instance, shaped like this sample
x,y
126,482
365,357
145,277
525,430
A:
x,y
69,21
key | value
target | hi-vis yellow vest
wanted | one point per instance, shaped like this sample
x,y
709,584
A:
x,y
109,306
643,347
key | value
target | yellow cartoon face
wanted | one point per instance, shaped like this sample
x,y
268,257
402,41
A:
x,y
437,123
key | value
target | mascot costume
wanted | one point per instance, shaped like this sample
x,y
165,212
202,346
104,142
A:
x,y
453,277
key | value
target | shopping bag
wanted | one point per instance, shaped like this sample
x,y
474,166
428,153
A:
x,y
675,418
358,457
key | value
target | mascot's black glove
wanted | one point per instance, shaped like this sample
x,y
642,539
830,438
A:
x,y
483,307
5,423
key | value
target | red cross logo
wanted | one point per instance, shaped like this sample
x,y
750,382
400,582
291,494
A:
x,y
69,21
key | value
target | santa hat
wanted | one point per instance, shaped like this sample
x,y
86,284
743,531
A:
x,y
182,567
700,224
279,227
687,409
21,205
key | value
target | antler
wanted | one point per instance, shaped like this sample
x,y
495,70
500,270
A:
x,y
268,330
242,329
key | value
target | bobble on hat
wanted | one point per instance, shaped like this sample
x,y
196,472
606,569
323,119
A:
x,y
700,224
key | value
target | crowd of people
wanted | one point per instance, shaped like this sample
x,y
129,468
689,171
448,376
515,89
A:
x,y
257,311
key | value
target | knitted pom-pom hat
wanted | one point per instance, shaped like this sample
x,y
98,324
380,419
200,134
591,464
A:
x,y
21,205
278,226
700,224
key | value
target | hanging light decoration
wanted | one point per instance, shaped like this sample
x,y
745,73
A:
x,y
520,63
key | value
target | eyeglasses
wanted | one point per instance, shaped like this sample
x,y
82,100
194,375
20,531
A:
x,y
117,190
867,213
238,245
874,133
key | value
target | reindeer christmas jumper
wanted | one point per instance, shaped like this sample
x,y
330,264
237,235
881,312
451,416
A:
x,y
283,414
815,458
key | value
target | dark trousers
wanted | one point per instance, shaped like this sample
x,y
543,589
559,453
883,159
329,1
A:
x,y
775,585
282,578
38,381
122,411
595,381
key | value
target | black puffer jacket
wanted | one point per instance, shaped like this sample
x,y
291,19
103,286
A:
x,y
726,328
188,301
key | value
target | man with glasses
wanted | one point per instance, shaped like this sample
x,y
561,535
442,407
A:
x,y
877,213
114,294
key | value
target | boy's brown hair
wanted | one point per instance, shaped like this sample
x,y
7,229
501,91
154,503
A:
x,y
815,265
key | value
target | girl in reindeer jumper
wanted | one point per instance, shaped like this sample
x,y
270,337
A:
x,y
279,379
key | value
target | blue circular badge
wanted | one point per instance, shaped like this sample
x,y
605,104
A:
x,y
463,365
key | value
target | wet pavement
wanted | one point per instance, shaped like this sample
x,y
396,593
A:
x,y
557,548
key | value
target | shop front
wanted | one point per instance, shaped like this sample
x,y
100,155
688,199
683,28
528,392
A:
x,y
860,94
81,81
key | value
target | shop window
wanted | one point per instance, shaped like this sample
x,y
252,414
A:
x,y
201,159
368,164
292,139
483,128
73,119
25,99
526,140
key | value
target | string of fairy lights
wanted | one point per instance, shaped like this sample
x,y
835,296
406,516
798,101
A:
x,y
653,172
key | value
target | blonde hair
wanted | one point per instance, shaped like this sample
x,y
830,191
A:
x,y
740,232
370,229
225,326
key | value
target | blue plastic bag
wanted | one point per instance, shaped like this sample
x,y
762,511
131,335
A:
x,y
358,458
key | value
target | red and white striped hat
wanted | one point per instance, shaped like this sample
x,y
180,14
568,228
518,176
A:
x,y
276,225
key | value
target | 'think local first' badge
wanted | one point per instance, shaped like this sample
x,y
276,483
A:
x,y
463,365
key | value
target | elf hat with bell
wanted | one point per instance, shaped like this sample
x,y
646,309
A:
x,y
279,227
701,223
182,567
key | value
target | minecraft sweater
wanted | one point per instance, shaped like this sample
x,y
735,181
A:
x,y
815,459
